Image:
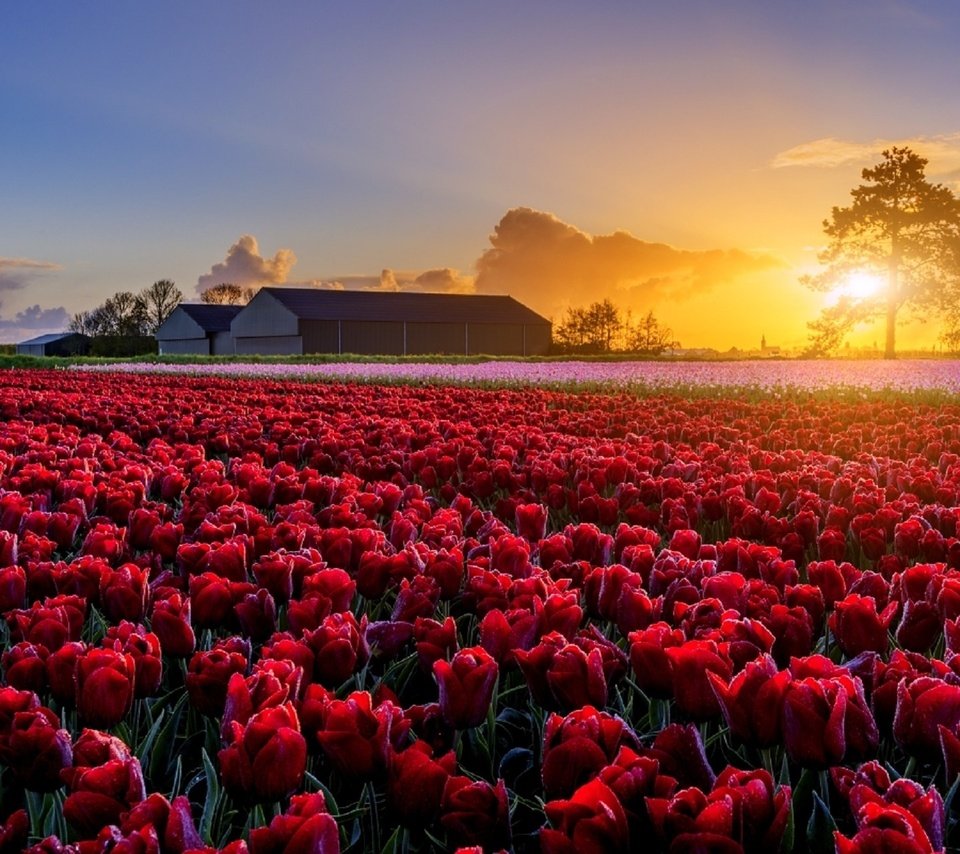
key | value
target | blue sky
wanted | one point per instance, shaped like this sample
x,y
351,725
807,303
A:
x,y
143,141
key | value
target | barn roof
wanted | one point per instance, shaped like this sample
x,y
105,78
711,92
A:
x,y
320,304
51,337
209,317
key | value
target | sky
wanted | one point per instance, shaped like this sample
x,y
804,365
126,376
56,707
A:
x,y
676,157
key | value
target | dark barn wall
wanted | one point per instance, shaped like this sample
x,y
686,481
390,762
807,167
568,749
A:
x,y
72,345
320,336
496,339
30,350
372,337
426,338
222,344
538,338
270,345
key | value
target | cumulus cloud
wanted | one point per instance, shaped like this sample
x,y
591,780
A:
x,y
245,266
16,272
388,281
33,321
547,263
435,280
943,152
445,279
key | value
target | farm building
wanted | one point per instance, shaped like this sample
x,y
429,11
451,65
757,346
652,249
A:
x,y
55,344
291,321
198,328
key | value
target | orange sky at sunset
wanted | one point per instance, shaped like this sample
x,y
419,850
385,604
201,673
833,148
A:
x,y
674,157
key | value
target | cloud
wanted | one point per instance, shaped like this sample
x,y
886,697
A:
x,y
436,280
245,266
547,263
445,279
33,321
16,272
388,281
943,152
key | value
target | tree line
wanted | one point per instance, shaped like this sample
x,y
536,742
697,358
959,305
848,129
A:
x,y
126,323
602,327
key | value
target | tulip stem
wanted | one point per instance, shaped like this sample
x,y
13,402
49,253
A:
x,y
34,803
370,795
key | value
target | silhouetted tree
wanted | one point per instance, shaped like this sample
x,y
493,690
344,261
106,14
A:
x,y
901,227
82,322
160,299
598,328
833,325
650,336
601,327
227,293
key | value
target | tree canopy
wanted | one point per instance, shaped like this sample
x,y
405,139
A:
x,y
130,315
602,327
227,293
902,228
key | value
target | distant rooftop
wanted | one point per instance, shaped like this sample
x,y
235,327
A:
x,y
50,337
323,304
211,317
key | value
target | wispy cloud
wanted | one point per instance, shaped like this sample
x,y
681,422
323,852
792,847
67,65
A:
x,y
943,152
16,272
245,266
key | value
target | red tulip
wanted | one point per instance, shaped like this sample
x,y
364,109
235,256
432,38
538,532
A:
x,y
170,621
466,684
105,686
356,736
306,826
592,821
827,720
416,782
473,812
266,759
36,749
99,795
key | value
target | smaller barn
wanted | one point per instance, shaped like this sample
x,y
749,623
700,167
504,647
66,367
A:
x,y
198,329
55,344
294,321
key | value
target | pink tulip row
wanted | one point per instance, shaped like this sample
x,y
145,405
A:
x,y
766,375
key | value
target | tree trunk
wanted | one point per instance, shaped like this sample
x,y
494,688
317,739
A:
x,y
893,292
890,352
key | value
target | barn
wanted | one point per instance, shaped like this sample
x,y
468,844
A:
x,y
197,329
55,344
291,321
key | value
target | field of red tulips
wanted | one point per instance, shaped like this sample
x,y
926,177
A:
x,y
262,616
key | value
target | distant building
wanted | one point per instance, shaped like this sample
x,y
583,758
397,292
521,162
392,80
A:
x,y
55,344
293,321
768,350
197,329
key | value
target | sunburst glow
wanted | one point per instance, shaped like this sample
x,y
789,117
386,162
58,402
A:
x,y
857,285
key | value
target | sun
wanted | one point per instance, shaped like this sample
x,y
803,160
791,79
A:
x,y
856,286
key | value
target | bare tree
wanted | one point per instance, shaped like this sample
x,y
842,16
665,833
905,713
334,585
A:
x,y
227,293
651,336
82,322
160,299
